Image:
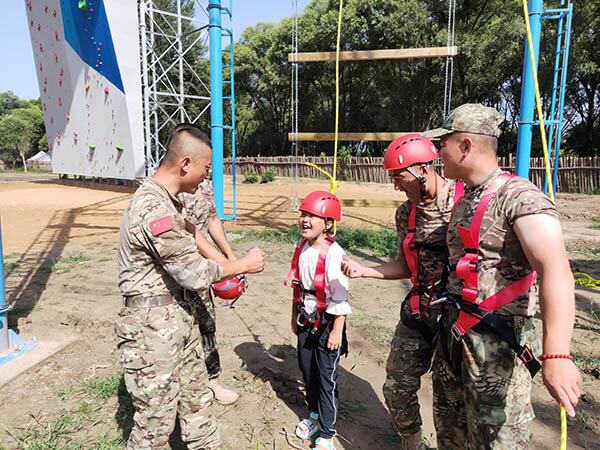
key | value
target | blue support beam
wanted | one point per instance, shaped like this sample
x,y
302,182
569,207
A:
x,y
527,105
4,306
216,101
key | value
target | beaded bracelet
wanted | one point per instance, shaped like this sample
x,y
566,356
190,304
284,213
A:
x,y
555,356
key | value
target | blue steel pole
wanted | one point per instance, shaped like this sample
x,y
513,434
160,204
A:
x,y
527,105
216,102
4,307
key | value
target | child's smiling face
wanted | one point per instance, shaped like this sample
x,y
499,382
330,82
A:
x,y
311,226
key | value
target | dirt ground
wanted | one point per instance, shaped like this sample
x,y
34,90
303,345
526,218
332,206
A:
x,y
60,256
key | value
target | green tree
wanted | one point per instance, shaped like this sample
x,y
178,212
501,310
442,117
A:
x,y
9,101
20,133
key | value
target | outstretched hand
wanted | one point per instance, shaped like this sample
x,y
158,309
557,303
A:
x,y
562,379
351,268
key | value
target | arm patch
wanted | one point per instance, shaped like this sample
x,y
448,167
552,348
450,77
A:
x,y
161,226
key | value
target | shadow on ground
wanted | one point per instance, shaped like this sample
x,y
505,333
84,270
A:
x,y
363,421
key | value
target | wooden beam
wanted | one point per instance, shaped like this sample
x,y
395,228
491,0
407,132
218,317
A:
x,y
351,203
370,55
349,137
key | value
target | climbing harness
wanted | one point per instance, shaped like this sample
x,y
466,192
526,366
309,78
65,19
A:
x,y
471,313
410,247
293,280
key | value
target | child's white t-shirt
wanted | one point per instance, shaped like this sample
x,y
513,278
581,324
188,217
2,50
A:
x,y
336,283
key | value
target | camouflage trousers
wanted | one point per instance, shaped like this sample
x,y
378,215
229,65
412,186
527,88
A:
x,y
165,374
206,316
488,405
409,359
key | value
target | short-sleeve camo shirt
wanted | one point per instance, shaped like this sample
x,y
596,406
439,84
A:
x,y
502,260
156,254
431,224
200,207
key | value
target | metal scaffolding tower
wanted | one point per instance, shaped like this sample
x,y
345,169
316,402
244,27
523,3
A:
x,y
537,14
182,79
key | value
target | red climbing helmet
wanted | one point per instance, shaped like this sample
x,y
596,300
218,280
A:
x,y
230,289
407,151
322,204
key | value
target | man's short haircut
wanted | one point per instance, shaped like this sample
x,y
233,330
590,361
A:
x,y
174,150
485,141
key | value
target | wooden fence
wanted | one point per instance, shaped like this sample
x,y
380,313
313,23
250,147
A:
x,y
575,174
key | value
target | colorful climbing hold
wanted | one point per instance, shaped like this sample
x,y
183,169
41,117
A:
x,y
83,5
87,87
56,35
60,82
92,147
106,90
68,116
41,69
62,72
75,134
120,148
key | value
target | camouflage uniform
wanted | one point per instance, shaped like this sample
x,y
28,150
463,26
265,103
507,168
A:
x,y
199,209
159,347
410,355
488,405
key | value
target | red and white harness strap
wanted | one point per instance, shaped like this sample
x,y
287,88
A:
x,y
411,253
467,267
293,278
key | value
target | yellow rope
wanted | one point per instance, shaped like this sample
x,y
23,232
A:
x,y
538,102
563,428
585,280
337,93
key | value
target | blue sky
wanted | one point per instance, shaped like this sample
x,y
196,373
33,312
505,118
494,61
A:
x,y
18,69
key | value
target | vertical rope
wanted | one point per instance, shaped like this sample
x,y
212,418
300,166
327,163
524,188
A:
x,y
294,105
449,59
334,184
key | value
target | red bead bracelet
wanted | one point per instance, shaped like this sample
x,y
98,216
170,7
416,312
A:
x,y
555,356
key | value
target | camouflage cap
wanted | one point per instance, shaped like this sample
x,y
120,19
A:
x,y
469,118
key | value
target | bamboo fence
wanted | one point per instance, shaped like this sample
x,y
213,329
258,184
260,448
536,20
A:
x,y
575,174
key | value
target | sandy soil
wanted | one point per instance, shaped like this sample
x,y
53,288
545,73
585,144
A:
x,y
60,253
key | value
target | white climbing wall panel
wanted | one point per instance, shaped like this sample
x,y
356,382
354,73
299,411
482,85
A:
x,y
87,56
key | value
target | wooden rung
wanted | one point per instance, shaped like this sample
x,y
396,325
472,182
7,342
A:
x,y
347,137
369,55
351,203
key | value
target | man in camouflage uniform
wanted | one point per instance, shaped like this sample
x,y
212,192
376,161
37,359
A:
x,y
200,210
158,339
481,387
412,345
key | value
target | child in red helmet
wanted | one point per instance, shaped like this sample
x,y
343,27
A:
x,y
319,313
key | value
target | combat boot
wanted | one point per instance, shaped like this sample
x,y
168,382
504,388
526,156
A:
x,y
413,442
223,395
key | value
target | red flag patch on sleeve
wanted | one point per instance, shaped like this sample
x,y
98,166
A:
x,y
160,226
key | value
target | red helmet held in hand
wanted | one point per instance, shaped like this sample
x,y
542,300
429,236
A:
x,y
230,289
322,204
407,151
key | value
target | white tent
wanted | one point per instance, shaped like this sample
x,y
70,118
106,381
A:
x,y
40,157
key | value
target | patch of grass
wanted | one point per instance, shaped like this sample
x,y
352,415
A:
x,y
267,176
10,266
64,264
250,177
61,430
592,253
587,362
382,242
376,332
100,388
595,223
105,259
591,422
20,170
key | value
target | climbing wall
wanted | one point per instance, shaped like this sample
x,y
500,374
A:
x,y
88,67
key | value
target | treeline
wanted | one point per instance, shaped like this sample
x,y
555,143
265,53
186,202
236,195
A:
x,y
406,95
22,129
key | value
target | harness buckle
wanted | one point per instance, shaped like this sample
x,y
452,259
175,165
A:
x,y
526,355
456,333
469,294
